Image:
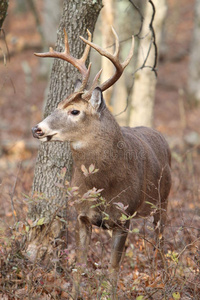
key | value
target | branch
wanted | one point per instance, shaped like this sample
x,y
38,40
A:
x,y
153,42
141,17
153,38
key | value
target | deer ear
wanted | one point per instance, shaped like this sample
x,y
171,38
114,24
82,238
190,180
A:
x,y
77,85
97,100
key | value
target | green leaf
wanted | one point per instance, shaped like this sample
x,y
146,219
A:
x,y
106,216
123,218
176,295
139,297
95,205
104,284
135,230
26,196
40,221
62,220
152,205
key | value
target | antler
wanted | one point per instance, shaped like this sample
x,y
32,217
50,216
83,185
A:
x,y
77,63
114,58
80,63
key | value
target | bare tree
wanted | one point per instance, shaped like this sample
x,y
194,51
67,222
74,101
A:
x,y
142,102
125,17
194,60
47,209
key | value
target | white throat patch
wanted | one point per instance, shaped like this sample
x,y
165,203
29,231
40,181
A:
x,y
77,145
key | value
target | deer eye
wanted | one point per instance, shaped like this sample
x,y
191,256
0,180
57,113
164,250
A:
x,y
75,112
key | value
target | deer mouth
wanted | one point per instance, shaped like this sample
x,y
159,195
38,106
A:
x,y
48,138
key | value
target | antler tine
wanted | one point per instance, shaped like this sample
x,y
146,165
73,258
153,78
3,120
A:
x,y
101,51
87,48
85,79
77,63
67,51
116,42
130,55
88,93
114,58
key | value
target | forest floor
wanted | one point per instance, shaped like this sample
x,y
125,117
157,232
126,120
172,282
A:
x,y
141,276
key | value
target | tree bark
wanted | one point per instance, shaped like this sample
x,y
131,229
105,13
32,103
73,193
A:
x,y
142,102
127,23
107,17
3,11
51,14
48,207
194,61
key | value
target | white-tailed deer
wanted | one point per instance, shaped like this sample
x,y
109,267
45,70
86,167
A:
x,y
133,163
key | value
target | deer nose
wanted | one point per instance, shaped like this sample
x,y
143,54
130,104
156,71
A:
x,y
37,132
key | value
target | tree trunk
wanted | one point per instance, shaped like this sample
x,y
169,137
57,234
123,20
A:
x,y
3,11
142,103
107,18
51,14
48,206
194,60
127,23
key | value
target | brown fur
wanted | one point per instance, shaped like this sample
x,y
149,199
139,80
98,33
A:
x,y
134,171
131,162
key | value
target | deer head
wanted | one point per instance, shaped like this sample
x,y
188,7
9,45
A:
x,y
70,119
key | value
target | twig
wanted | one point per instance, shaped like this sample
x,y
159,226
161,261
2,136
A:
x,y
141,17
28,45
153,38
188,245
153,42
12,194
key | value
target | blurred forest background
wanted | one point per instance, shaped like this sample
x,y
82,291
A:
x,y
24,81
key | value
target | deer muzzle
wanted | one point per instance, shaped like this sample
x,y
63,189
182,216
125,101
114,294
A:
x,y
40,134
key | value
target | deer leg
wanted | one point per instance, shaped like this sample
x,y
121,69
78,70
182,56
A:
x,y
83,236
119,236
